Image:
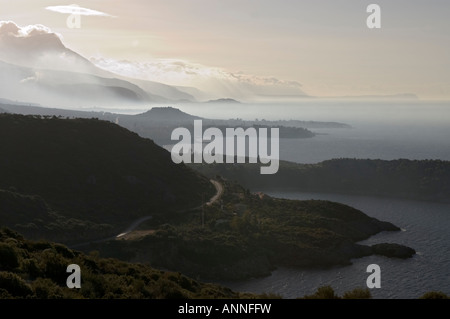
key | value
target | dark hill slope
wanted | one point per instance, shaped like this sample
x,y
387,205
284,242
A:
x,y
411,179
93,170
37,270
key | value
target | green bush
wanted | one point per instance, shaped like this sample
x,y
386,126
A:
x,y
31,268
54,266
8,257
358,293
4,294
434,295
44,288
14,285
325,292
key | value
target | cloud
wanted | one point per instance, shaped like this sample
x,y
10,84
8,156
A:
x,y
32,79
10,29
214,82
77,10
37,46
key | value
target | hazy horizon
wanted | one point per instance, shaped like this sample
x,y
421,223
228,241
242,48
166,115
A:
x,y
261,50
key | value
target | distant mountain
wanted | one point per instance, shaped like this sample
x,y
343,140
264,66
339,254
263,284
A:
x,y
167,114
91,170
417,180
38,47
41,52
66,88
224,101
10,102
199,95
168,92
401,96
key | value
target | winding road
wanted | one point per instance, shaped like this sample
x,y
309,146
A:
x,y
219,192
136,223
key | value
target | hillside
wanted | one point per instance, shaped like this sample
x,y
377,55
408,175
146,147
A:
x,y
248,235
37,270
79,180
90,170
411,179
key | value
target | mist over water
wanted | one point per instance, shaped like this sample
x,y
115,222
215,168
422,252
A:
x,y
327,110
386,142
380,130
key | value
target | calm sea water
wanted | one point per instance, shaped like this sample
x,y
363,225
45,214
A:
x,y
380,130
425,227
411,130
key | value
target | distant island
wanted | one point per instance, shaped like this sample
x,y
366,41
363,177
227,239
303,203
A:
x,y
427,180
10,102
159,122
401,96
224,101
167,114
284,123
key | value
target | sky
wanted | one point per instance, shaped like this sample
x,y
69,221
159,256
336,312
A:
x,y
323,45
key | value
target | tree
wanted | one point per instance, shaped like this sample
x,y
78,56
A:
x,y
434,295
358,293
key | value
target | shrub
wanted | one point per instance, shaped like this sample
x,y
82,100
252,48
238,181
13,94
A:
x,y
31,268
8,257
325,292
55,266
47,289
14,285
4,294
358,293
434,295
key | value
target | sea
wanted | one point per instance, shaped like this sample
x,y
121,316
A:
x,y
387,130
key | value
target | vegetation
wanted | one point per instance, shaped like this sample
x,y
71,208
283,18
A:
x,y
413,179
247,235
327,292
79,180
37,270
33,217
435,295
84,173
